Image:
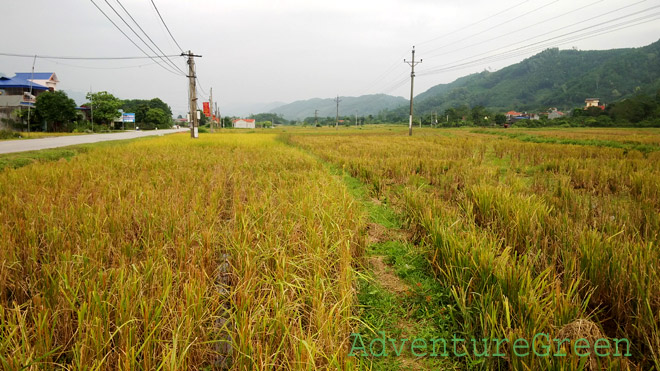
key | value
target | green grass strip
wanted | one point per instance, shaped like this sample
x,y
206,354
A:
x,y
641,147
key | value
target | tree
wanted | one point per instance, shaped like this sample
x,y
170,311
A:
x,y
158,118
500,119
105,105
56,108
158,103
479,115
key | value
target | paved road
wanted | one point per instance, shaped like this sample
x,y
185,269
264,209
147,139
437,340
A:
x,y
22,145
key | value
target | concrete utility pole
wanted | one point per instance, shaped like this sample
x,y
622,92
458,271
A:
x,y
32,78
211,108
91,106
316,117
217,113
337,117
192,93
412,84
356,119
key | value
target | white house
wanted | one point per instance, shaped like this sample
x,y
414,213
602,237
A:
x,y
591,102
244,123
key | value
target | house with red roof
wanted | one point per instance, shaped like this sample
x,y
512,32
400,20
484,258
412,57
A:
x,y
554,113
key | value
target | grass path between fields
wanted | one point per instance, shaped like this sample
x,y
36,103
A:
x,y
398,293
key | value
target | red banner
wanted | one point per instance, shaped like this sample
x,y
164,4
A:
x,y
207,109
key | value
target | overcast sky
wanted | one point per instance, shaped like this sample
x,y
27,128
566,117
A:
x,y
262,51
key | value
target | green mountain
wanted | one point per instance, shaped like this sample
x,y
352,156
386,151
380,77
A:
x,y
552,78
349,106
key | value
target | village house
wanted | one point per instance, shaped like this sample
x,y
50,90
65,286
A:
x,y
21,90
244,123
553,113
593,102
513,116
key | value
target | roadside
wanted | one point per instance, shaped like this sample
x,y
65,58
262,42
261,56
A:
x,y
19,159
13,146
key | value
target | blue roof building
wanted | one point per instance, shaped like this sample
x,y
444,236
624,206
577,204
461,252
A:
x,y
22,89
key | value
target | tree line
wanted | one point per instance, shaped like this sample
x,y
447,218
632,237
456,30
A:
x,y
54,111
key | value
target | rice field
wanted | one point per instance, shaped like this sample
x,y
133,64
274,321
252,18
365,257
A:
x,y
172,254
246,250
531,237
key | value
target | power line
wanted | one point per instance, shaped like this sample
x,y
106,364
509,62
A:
x,y
475,23
442,68
397,84
553,18
378,80
145,34
165,24
536,46
129,39
82,58
497,25
140,37
99,68
401,82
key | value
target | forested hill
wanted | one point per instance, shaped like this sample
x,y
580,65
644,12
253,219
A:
x,y
349,106
552,78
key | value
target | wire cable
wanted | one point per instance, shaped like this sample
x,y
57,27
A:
x,y
131,40
165,24
148,37
475,23
140,37
82,58
553,18
442,67
493,27
99,68
537,46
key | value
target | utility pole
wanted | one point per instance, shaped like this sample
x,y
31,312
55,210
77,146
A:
x,y
211,108
217,113
412,84
192,93
435,119
356,118
337,100
91,106
30,105
316,118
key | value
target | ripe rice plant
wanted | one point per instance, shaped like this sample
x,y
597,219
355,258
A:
x,y
169,253
530,237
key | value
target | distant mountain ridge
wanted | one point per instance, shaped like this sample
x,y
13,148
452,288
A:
x,y
552,78
349,106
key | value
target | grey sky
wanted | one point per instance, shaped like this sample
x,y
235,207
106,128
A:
x,y
259,51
